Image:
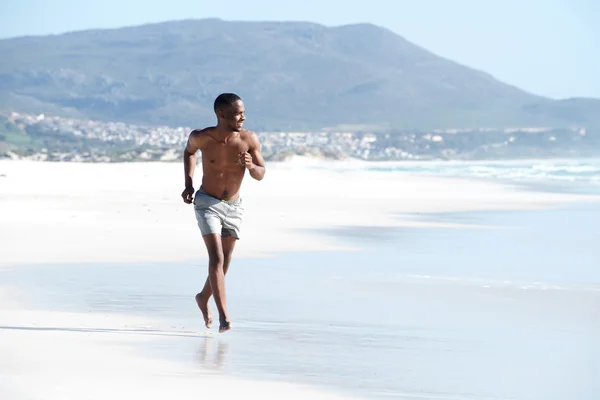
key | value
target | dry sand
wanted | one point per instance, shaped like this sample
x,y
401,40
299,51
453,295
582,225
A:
x,y
77,213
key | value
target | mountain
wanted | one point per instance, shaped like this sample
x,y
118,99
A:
x,y
291,75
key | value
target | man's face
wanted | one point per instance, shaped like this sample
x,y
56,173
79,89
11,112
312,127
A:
x,y
234,116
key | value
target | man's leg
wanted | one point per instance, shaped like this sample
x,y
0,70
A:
x,y
216,277
202,298
208,212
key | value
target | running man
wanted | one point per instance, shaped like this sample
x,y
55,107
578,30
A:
x,y
227,151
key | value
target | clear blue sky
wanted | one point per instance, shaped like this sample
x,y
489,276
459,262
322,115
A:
x,y
547,47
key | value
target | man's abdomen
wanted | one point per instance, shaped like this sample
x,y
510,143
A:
x,y
224,184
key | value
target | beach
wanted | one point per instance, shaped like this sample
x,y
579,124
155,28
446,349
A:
x,y
346,283
132,212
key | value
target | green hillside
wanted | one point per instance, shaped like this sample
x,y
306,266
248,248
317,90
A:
x,y
292,75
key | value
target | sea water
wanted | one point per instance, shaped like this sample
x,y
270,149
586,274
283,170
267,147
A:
x,y
452,313
578,173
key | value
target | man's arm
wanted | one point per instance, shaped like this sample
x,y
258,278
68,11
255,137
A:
x,y
257,169
189,159
189,165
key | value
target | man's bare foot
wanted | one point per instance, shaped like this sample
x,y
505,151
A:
x,y
203,306
224,326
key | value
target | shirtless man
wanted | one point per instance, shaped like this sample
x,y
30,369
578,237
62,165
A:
x,y
228,151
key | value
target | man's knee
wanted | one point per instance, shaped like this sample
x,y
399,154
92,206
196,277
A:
x,y
216,258
226,259
215,251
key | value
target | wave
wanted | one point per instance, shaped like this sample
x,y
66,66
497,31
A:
x,y
567,171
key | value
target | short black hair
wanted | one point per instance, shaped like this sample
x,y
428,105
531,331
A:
x,y
225,99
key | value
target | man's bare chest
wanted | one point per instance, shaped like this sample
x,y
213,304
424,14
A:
x,y
224,154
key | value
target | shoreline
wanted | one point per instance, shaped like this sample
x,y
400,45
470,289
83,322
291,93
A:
x,y
161,343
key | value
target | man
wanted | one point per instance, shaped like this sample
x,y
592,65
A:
x,y
228,151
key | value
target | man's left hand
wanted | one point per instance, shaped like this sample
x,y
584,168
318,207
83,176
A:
x,y
246,160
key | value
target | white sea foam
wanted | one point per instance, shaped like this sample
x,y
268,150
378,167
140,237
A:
x,y
559,171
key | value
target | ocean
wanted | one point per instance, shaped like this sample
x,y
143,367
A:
x,y
561,175
415,313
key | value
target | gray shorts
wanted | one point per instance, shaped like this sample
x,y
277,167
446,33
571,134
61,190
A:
x,y
218,216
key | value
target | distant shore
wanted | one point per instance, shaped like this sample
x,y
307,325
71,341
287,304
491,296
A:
x,y
52,138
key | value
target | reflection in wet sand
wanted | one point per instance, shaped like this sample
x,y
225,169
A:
x,y
218,360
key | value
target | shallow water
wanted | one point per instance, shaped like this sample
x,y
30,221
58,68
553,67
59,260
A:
x,y
511,313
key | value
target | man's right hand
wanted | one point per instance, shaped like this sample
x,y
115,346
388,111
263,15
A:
x,y
188,195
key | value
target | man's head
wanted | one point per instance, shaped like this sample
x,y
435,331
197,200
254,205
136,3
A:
x,y
230,110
